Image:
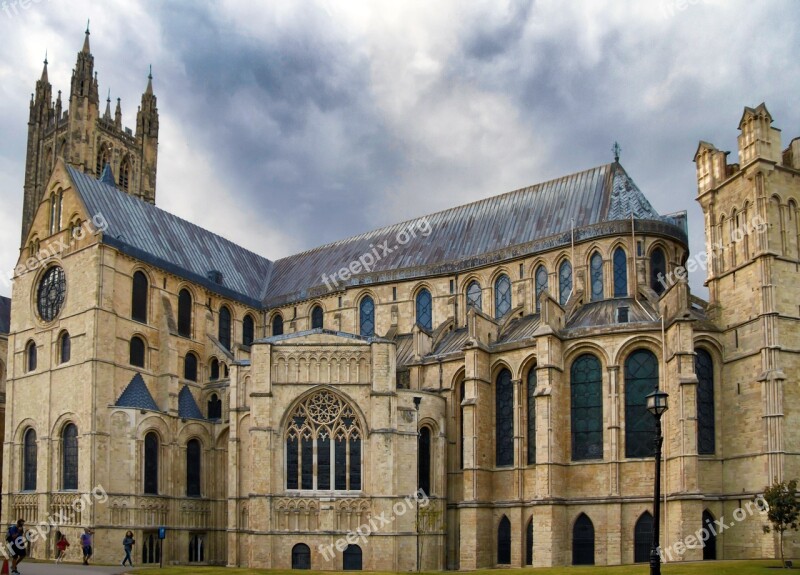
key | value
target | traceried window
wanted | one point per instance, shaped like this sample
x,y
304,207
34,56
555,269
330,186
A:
x,y
151,448
502,296
531,413
224,330
51,293
658,271
151,548
366,316
586,391
125,174
193,454
277,324
596,274
185,313
641,379
425,309
620,273
564,282
704,369
317,317
29,461
248,330
541,283
102,160
504,419
474,295
325,425
69,457
139,298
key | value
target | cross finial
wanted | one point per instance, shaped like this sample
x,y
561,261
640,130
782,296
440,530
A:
x,y
87,26
45,57
150,75
617,150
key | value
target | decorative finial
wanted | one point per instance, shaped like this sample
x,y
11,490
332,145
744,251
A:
x,y
150,75
87,26
45,57
108,99
617,150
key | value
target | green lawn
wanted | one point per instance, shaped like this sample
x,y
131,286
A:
x,y
707,568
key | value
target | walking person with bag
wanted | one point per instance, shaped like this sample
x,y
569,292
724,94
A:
x,y
127,544
86,544
16,543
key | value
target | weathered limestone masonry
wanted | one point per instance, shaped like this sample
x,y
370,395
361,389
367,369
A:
x,y
498,360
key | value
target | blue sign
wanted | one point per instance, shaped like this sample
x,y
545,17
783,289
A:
x,y
162,532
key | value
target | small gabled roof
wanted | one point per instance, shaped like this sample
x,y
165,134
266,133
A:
x,y
147,233
758,110
187,406
5,315
137,396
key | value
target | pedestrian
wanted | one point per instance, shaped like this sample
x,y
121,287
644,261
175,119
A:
x,y
61,547
16,539
86,544
127,544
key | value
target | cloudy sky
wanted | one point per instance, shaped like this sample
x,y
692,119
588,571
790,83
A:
x,y
285,125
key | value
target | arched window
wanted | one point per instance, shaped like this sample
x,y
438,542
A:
x,y
137,351
64,348
29,462
531,413
641,379
224,331
196,548
325,425
214,407
586,392
504,419
351,558
248,330
102,160
56,201
185,313
541,284
139,298
30,356
529,543
69,457
366,317
317,317
710,546
277,324
596,275
151,448
504,542
301,556
425,310
151,549
125,174
474,295
190,367
564,282
461,395
583,541
502,296
704,369
193,453
620,273
658,271
643,538
424,454
214,370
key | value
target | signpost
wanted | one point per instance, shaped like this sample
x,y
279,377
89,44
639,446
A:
x,y
162,534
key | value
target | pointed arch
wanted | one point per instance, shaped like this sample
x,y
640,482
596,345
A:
x,y
658,270
596,276
424,309
248,330
710,545
620,264
530,402
586,411
125,173
69,457
474,295
541,278
643,538
139,297
504,541
103,158
152,446
583,541
504,419
564,282
529,543
366,316
29,460
706,428
502,296
185,313
224,327
641,379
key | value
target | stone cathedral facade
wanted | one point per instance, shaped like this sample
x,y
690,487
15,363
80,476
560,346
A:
x,y
469,386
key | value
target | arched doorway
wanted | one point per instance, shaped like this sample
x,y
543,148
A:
x,y
583,541
301,556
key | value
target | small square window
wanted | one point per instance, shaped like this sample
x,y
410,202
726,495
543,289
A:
x,y
622,314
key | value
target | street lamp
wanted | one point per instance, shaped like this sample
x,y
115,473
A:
x,y
657,405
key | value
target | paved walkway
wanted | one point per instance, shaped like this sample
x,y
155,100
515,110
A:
x,y
51,568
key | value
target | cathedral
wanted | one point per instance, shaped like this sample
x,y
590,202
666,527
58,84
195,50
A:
x,y
463,390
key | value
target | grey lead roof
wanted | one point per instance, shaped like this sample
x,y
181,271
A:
x,y
137,395
5,315
187,406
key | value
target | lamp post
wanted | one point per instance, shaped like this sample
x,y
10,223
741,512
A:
x,y
657,405
417,401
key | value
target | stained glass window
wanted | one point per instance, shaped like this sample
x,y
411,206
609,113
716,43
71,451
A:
x,y
541,284
504,542
29,461
224,328
658,271
643,538
424,454
583,541
248,330
51,293
620,273
277,324
367,317
704,369
596,273
502,296
564,282
139,298
69,454
474,295
531,400
185,313
151,449
504,419
425,309
193,454
641,379
137,350
317,317
586,391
